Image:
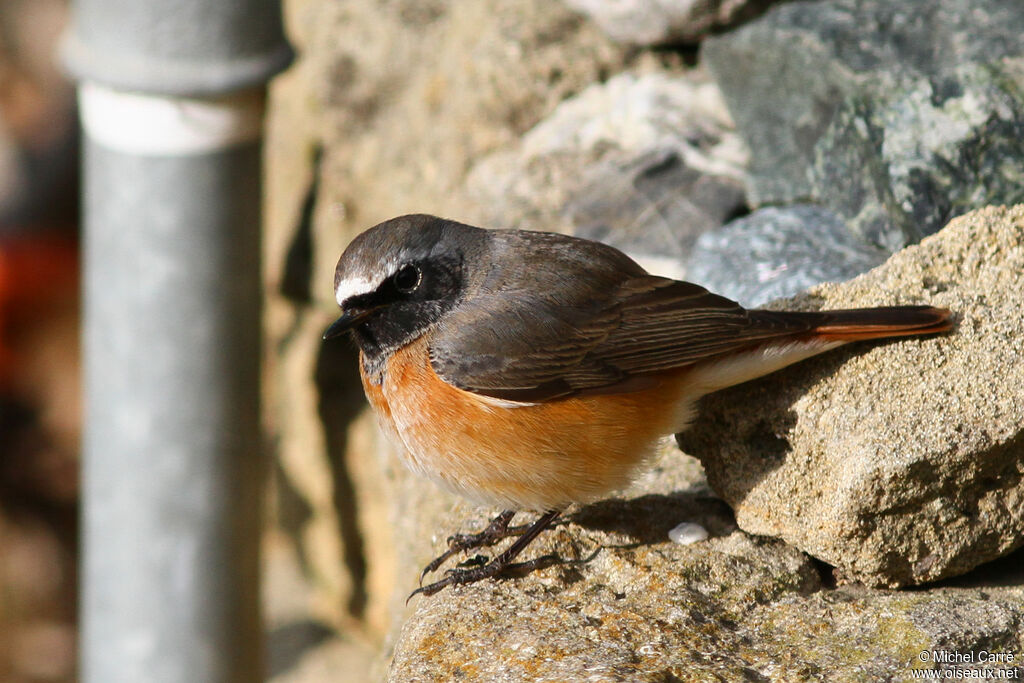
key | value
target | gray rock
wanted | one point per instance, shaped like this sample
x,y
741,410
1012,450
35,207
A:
x,y
847,102
899,161
656,22
653,206
899,463
644,161
775,253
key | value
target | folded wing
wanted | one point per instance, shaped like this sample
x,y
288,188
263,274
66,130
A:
x,y
534,346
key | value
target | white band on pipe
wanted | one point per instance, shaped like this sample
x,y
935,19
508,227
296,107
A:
x,y
161,125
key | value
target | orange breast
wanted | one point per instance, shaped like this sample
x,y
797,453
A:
x,y
534,456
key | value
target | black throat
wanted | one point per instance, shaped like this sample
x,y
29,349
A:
x,y
399,319
384,333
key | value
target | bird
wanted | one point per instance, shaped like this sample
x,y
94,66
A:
x,y
531,370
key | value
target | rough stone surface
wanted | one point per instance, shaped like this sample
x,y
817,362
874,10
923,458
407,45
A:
x,y
655,22
915,86
902,462
779,252
628,604
657,627
898,161
626,600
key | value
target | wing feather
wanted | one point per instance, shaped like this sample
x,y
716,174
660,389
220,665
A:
x,y
530,347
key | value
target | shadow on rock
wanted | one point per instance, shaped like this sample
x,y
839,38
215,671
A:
x,y
648,519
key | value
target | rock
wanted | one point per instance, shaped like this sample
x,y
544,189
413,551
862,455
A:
x,y
653,207
626,601
884,635
629,604
899,463
779,252
889,126
653,629
657,22
645,162
899,161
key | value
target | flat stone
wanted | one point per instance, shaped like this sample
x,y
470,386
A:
x,y
631,605
627,601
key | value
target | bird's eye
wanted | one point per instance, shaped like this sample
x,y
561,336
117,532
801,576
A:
x,y
407,279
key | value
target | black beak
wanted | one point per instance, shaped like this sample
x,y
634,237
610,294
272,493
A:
x,y
346,322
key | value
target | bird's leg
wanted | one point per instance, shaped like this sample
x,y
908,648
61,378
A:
x,y
495,531
500,563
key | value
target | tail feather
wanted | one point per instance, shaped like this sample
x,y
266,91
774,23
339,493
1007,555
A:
x,y
812,333
873,323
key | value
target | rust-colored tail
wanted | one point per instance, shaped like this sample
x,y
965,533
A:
x,y
889,321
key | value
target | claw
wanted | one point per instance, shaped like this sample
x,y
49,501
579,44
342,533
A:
x,y
494,568
478,568
495,531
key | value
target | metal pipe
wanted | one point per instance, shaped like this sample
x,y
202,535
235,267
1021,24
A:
x,y
171,97
183,47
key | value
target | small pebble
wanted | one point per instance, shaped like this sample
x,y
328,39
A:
x,y
687,533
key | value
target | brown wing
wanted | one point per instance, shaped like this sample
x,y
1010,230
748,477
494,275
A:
x,y
534,347
668,324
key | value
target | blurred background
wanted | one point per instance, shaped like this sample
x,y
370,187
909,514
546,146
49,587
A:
x,y
40,405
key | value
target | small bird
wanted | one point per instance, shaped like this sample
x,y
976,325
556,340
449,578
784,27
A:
x,y
533,370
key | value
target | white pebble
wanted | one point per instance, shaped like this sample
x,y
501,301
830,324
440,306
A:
x,y
687,533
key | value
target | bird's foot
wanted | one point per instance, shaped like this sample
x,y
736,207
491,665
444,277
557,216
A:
x,y
459,577
477,568
497,530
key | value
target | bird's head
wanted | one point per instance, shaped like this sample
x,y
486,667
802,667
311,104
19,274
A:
x,y
396,279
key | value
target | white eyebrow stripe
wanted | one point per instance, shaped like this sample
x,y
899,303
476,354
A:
x,y
352,286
